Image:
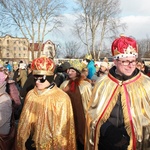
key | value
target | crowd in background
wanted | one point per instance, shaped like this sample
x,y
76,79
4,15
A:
x,y
75,78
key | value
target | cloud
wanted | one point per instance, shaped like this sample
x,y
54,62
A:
x,y
136,15
135,7
137,26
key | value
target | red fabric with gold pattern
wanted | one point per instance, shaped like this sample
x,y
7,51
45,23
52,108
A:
x,y
124,47
43,66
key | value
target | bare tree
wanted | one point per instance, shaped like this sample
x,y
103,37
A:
x,y
71,50
34,19
144,48
96,21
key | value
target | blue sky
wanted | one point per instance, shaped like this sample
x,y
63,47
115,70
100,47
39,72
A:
x,y
135,13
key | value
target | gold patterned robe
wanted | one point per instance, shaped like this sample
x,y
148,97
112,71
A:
x,y
47,115
80,95
135,99
85,90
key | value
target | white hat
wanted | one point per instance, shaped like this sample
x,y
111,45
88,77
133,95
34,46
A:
x,y
104,64
22,66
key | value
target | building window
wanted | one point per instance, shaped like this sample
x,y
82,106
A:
x,y
49,48
14,55
20,48
24,55
14,48
7,48
0,41
24,48
19,55
7,41
24,42
14,42
7,54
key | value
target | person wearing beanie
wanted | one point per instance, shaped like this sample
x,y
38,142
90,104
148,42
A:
x,y
46,121
9,103
5,108
22,75
104,67
118,117
79,92
61,73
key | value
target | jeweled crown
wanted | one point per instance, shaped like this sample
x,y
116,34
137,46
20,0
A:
x,y
43,66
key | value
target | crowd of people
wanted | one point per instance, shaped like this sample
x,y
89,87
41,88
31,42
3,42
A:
x,y
76,105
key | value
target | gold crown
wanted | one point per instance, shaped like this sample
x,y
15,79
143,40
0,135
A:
x,y
83,65
76,64
43,66
88,56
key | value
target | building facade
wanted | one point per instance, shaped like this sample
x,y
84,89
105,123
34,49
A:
x,y
47,48
14,49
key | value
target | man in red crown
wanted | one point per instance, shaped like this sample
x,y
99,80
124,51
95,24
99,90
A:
x,y
47,115
118,117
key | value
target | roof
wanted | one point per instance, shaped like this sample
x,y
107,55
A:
x,y
37,45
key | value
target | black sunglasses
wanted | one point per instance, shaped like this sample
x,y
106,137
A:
x,y
41,78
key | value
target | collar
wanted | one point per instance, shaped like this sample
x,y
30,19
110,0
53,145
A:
x,y
116,75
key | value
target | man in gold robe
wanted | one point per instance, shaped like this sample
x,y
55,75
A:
x,y
47,116
118,116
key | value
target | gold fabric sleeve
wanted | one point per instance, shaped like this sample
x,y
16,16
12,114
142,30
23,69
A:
x,y
48,117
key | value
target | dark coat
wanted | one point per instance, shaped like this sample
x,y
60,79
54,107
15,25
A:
x,y
29,85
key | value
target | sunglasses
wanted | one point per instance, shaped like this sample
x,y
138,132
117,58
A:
x,y
40,78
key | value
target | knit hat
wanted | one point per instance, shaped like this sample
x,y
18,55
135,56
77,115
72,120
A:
x,y
43,66
22,66
94,77
65,66
104,64
124,47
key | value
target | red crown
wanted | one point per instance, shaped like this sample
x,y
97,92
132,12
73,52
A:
x,y
124,47
43,66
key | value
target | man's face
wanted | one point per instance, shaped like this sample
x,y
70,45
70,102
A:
x,y
102,68
125,66
41,82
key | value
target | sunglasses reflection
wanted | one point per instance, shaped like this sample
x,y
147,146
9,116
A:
x,y
40,78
